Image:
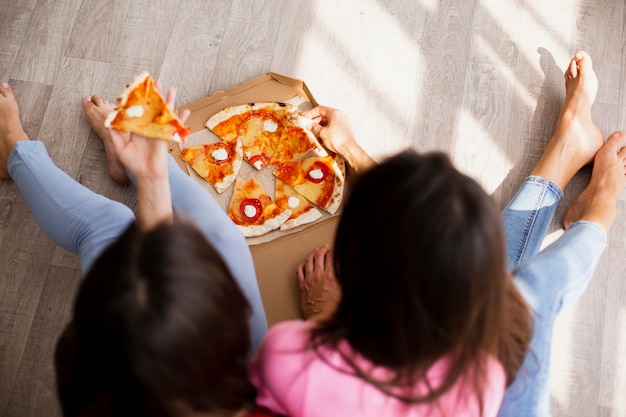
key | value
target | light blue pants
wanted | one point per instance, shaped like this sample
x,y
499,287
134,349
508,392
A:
x,y
548,279
85,223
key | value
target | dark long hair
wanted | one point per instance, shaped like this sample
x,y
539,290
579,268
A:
x,y
159,328
420,257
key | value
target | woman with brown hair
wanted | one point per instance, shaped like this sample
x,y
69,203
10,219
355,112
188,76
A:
x,y
169,312
160,328
427,305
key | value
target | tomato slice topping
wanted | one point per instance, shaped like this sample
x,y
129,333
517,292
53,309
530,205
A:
x,y
259,114
317,172
256,158
250,204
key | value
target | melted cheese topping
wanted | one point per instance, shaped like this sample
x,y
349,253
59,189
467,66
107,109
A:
x,y
270,125
249,211
316,174
293,202
219,154
135,111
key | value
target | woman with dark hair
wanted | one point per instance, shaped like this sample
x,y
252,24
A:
x,y
170,311
160,328
427,305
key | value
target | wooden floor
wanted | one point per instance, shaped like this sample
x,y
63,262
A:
x,y
479,79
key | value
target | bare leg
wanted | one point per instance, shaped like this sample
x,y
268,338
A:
x,y
96,109
598,203
11,130
576,138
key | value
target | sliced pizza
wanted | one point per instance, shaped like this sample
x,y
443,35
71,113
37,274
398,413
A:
x,y
302,211
218,163
142,109
253,211
320,179
295,142
270,132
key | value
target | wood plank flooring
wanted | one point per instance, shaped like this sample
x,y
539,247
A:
x,y
479,79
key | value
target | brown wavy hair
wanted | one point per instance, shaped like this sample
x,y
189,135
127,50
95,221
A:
x,y
159,327
420,257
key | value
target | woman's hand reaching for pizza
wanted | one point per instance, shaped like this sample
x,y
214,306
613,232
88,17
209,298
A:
x,y
333,127
319,291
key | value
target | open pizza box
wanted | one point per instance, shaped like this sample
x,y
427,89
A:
x,y
277,254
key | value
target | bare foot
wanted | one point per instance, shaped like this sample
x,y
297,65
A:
x,y
11,130
97,109
576,138
598,203
319,290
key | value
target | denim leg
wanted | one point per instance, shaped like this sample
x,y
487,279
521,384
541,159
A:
x,y
73,216
527,218
548,281
190,198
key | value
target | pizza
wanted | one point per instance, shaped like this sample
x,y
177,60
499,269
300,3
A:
x,y
218,163
320,179
302,211
141,109
271,132
252,209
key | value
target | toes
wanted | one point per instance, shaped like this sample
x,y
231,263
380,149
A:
x,y
583,60
618,142
572,69
617,139
5,89
98,101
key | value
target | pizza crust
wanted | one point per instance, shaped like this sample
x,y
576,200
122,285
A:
x,y
339,166
305,218
268,226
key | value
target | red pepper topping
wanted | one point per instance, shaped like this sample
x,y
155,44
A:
x,y
319,166
253,159
254,202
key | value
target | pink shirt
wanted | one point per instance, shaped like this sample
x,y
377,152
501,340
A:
x,y
295,381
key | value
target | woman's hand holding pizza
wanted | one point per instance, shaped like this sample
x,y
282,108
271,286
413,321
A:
x,y
333,128
146,160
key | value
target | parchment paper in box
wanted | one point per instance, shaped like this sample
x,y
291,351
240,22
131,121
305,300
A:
x,y
277,254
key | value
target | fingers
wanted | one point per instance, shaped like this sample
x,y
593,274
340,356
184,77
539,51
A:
x,y
315,128
170,98
319,260
321,112
117,139
184,115
313,113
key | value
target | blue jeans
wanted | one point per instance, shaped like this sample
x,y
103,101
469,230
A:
x,y
548,279
85,223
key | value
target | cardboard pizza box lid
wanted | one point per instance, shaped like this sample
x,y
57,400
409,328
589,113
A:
x,y
275,260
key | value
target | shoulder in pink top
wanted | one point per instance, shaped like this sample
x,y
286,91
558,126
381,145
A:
x,y
294,380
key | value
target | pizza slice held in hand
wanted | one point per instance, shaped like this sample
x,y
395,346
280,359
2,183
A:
x,y
320,179
302,211
218,163
141,109
253,211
